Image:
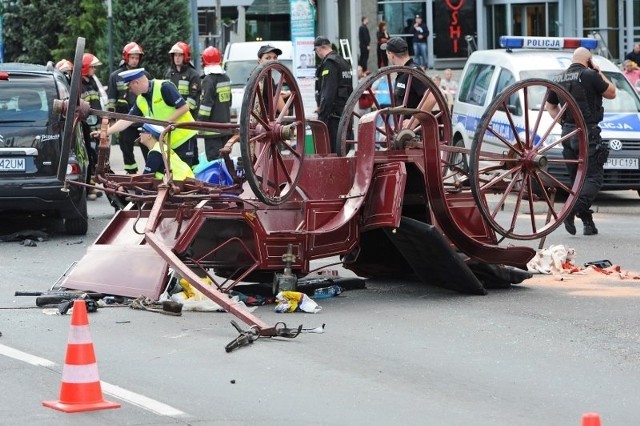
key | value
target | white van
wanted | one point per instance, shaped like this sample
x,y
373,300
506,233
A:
x,y
242,58
488,72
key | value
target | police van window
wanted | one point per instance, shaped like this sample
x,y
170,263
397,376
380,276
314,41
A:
x,y
506,79
626,100
476,84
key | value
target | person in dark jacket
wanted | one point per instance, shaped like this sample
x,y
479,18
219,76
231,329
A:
x,y
420,34
364,39
334,84
588,85
91,95
215,101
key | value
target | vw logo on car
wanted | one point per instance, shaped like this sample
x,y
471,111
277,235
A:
x,y
615,144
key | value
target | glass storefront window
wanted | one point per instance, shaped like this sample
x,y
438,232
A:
x,y
399,15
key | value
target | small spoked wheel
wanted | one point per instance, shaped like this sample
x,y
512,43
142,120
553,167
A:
x,y
517,165
272,133
377,92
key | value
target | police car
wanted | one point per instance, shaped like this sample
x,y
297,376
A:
x,y
488,72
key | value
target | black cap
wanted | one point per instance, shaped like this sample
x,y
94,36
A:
x,y
395,45
267,48
321,41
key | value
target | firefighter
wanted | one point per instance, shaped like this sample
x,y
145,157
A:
x,y
90,94
160,100
215,102
334,84
65,67
121,101
183,74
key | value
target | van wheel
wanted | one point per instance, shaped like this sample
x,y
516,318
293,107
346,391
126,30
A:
x,y
79,224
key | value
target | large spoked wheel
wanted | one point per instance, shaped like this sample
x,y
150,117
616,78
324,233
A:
x,y
272,133
517,163
72,105
378,88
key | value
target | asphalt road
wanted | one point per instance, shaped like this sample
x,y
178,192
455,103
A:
x,y
398,352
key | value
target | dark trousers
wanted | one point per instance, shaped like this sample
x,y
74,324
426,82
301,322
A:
x,y
364,58
126,140
332,124
212,146
188,151
598,154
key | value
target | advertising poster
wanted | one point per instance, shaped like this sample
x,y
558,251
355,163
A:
x,y
303,23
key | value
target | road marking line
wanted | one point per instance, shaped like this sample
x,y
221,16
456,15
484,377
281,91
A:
x,y
133,398
142,401
25,357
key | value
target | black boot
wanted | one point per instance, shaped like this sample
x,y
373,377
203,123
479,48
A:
x,y
589,228
569,224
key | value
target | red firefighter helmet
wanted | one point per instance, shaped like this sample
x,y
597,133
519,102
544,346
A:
x,y
181,47
64,66
131,48
88,60
210,56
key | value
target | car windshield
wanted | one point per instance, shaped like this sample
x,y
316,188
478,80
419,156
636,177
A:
x,y
239,71
626,99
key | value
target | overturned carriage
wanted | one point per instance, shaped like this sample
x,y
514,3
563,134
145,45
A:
x,y
396,199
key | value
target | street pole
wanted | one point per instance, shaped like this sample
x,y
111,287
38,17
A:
x,y
110,34
195,39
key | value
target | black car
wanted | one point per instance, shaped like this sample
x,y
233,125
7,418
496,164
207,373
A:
x,y
30,147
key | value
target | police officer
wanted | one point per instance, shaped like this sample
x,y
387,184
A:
x,y
588,85
397,51
334,85
149,136
215,102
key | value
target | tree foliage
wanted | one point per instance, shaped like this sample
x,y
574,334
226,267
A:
x,y
154,24
38,31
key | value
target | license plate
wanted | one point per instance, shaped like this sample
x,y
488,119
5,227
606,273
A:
x,y
621,163
12,165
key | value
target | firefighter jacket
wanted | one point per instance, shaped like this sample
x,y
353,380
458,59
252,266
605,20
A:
x,y
120,99
187,81
161,111
215,101
91,94
155,164
334,84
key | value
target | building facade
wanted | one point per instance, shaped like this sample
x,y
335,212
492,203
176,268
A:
x,y
459,26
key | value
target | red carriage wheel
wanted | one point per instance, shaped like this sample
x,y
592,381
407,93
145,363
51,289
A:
x,y
272,133
517,165
378,90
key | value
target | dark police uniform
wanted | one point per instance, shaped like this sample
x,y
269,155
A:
x,y
417,90
586,86
334,85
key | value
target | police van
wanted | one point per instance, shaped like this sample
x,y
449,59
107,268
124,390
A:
x,y
488,72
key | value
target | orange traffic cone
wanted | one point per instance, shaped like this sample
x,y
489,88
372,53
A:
x,y
590,419
81,390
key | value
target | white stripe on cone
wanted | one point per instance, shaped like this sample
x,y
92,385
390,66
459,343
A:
x,y
87,373
79,335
